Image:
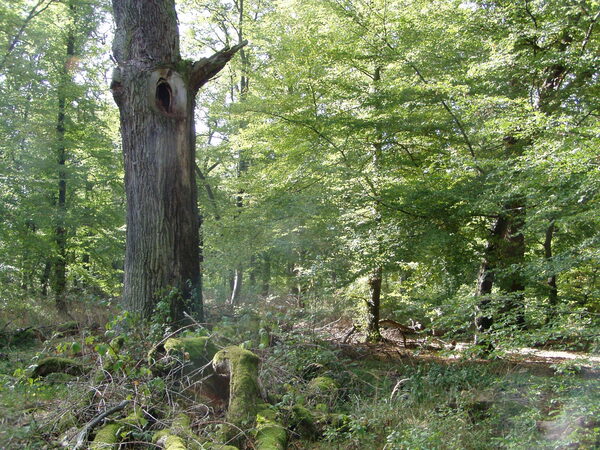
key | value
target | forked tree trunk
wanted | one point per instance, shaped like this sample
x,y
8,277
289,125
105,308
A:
x,y
155,91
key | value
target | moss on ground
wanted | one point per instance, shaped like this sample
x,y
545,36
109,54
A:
x,y
199,351
270,435
178,436
58,365
321,385
107,437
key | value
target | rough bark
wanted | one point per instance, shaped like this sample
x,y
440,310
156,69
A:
x,y
155,91
485,279
510,280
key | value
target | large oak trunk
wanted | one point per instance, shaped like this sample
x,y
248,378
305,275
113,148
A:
x,y
155,91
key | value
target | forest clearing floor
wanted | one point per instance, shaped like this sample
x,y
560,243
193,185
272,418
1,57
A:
x,y
429,394
396,344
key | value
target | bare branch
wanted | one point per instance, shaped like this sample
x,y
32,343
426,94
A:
x,y
206,68
81,437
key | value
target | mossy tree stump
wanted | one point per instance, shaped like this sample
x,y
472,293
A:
x,y
241,366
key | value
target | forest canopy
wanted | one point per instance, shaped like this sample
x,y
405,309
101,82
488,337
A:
x,y
442,154
314,222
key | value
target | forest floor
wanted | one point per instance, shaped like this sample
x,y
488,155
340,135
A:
x,y
396,344
427,394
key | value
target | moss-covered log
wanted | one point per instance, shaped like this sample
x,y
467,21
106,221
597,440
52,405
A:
x,y
58,365
68,328
270,435
197,350
107,437
241,366
175,437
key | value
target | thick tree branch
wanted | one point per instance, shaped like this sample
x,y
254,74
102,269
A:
x,y
206,68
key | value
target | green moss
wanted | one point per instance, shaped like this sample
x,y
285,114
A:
x,y
169,441
107,437
23,337
174,442
198,350
181,422
322,385
178,436
58,378
265,338
242,367
219,447
63,365
68,328
270,435
322,390
303,422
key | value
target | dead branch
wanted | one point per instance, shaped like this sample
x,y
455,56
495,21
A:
x,y
82,435
206,68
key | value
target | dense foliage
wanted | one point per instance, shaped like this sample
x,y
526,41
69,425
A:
x,y
350,137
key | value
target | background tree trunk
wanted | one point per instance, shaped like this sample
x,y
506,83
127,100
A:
x,y
59,282
373,305
551,282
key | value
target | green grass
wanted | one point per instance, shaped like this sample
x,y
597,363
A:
x,y
466,406
437,405
25,403
401,403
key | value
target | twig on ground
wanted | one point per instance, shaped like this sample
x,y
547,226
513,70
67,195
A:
x,y
82,435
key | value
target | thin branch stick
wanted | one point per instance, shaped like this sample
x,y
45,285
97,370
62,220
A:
x,y
82,435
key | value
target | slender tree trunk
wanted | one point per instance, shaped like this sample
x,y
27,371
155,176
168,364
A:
x,y
155,91
60,232
238,276
484,318
376,277
266,276
551,282
373,305
198,300
45,278
236,286
252,272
